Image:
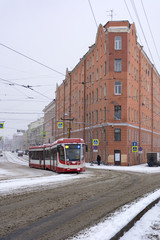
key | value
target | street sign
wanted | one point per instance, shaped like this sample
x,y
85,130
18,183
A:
x,y
140,152
60,124
95,142
134,148
95,148
134,143
140,149
44,134
1,125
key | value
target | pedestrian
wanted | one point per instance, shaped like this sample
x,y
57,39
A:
x,y
98,159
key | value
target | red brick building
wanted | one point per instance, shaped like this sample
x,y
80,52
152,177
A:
x,y
112,95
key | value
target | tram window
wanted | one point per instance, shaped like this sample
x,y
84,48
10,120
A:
x,y
73,152
54,154
61,152
47,154
37,155
41,155
30,155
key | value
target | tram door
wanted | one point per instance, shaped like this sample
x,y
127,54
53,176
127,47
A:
x,y
117,157
54,157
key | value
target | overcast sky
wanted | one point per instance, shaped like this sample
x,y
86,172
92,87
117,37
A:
x,y
56,34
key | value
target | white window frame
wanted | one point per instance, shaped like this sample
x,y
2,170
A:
x,y
118,65
118,43
117,88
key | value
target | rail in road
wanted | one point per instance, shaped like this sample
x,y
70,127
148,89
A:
x,y
131,223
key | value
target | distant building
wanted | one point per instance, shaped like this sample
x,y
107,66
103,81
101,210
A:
x,y
34,132
49,122
16,142
112,95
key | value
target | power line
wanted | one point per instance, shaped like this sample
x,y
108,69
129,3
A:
x,y
135,10
20,113
10,83
150,30
23,55
92,13
22,100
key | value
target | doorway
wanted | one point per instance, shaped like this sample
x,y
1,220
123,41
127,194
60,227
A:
x,y
117,157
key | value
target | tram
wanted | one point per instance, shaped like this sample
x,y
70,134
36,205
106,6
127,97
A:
x,y
63,155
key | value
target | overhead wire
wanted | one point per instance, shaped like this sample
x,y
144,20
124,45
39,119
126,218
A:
x,y
20,113
32,59
10,83
150,30
135,10
93,13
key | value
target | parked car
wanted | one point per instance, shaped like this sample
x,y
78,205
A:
x,y
1,153
20,153
26,152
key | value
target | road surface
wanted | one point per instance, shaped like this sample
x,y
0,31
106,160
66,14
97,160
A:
x,y
59,212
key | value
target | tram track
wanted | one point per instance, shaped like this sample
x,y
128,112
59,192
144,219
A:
x,y
131,223
51,213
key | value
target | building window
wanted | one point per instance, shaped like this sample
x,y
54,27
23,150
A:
x,y
118,43
93,77
104,113
104,135
92,117
117,88
97,74
93,60
105,90
96,115
117,65
105,68
97,95
117,134
117,112
92,97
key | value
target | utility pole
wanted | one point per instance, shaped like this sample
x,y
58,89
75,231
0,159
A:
x,y
69,129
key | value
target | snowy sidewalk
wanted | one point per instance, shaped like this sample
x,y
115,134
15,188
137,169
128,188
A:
x,y
147,227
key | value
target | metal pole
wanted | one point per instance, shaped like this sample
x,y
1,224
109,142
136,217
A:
x,y
91,147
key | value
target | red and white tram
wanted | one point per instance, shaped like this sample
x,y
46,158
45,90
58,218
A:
x,y
64,155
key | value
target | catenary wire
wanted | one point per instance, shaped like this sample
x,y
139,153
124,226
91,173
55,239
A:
x,y
33,60
135,10
150,30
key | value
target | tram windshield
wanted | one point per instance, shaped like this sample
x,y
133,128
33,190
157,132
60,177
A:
x,y
73,152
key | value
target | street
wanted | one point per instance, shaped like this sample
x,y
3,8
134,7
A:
x,y
60,209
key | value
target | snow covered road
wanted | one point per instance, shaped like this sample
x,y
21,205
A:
x,y
16,176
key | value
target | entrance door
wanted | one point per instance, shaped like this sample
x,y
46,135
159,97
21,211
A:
x,y
117,157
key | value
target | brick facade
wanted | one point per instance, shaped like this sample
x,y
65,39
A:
x,y
112,95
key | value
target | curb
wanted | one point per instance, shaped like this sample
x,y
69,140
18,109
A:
x,y
129,225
